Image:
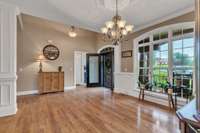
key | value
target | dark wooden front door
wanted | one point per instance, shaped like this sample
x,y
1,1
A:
x,y
108,70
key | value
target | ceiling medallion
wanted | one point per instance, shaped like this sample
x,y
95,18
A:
x,y
116,29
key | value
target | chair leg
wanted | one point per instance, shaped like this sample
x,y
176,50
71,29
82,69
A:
x,y
169,102
139,94
143,94
172,101
175,103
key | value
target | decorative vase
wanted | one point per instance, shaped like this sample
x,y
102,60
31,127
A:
x,y
60,68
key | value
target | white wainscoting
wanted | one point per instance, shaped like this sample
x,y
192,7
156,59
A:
x,y
126,83
8,22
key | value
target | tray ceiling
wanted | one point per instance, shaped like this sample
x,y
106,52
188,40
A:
x,y
92,14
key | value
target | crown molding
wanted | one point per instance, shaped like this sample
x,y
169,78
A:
x,y
166,18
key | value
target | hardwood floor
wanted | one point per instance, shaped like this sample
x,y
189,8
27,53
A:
x,y
88,110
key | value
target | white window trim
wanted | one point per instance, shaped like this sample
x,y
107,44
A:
x,y
150,34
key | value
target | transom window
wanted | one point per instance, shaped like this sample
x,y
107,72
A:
x,y
168,57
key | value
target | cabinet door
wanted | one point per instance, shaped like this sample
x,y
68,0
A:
x,y
61,81
55,82
41,82
47,82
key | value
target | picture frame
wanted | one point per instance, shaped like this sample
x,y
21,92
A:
x,y
127,54
51,52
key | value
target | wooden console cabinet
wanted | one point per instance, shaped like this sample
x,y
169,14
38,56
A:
x,y
51,82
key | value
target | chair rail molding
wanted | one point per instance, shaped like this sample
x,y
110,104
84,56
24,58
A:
x,y
8,76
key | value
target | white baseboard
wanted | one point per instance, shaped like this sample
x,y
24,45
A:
x,y
8,110
22,93
69,88
32,92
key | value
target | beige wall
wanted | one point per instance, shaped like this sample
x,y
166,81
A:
x,y
127,63
36,32
33,38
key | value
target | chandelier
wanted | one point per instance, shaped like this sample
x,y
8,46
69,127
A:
x,y
116,29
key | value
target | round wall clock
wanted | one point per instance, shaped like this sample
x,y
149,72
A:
x,y
51,52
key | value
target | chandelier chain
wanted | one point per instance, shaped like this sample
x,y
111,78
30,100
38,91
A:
x,y
117,8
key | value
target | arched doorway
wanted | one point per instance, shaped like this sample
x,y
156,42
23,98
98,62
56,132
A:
x,y
94,65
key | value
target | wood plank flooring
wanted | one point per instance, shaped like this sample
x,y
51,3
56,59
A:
x,y
88,110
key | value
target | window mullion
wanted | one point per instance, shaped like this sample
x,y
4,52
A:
x,y
151,59
170,56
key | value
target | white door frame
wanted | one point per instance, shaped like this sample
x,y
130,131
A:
x,y
75,52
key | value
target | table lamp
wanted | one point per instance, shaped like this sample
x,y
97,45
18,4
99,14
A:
x,y
40,59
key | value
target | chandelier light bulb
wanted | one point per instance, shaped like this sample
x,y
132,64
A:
x,y
129,28
113,33
121,23
110,24
124,32
104,30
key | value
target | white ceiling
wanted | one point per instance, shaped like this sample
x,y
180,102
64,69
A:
x,y
91,14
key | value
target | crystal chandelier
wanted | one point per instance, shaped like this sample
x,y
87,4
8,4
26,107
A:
x,y
116,29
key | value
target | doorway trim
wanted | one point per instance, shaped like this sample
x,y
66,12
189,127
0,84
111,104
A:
x,y
117,56
75,52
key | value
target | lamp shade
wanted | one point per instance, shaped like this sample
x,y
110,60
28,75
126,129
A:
x,y
72,34
113,33
124,32
104,30
110,24
129,28
121,23
40,58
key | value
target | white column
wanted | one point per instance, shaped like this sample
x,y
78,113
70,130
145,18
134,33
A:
x,y
8,56
197,53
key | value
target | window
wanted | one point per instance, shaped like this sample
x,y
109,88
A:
x,y
183,62
144,64
163,57
179,32
160,66
146,40
159,36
